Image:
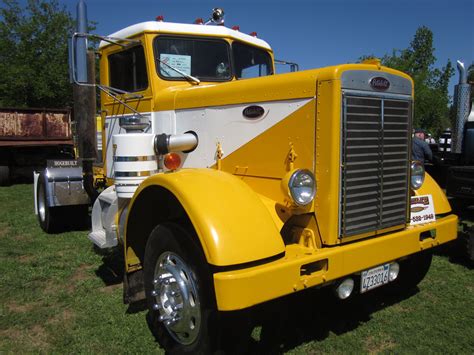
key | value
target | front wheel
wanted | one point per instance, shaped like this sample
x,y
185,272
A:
x,y
179,291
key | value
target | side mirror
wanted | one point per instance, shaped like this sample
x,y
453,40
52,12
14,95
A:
x,y
78,58
78,47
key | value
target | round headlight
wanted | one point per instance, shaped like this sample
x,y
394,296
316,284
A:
x,y
417,175
302,187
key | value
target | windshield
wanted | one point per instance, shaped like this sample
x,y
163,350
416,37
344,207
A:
x,y
205,59
209,59
250,62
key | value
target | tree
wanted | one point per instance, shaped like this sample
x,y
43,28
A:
x,y
34,54
431,111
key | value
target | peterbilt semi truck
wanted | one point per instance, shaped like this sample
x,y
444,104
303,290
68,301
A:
x,y
227,185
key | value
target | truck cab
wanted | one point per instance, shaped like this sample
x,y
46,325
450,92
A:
x,y
228,185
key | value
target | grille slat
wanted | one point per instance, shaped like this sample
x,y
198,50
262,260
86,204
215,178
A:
x,y
374,169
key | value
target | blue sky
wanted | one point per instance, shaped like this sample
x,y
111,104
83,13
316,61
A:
x,y
314,33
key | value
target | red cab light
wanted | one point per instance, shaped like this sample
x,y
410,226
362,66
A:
x,y
253,34
236,28
199,21
160,18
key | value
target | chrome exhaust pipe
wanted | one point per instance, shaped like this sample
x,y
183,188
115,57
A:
x,y
462,101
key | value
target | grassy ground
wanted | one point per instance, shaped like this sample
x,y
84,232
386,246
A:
x,y
57,295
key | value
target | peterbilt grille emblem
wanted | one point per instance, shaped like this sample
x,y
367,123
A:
x,y
253,111
379,83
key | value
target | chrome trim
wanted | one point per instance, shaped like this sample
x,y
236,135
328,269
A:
x,y
175,298
462,92
360,80
136,158
373,186
64,186
135,173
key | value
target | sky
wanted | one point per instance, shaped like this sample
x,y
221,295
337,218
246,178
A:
x,y
314,33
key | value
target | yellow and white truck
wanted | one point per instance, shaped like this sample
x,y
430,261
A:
x,y
229,186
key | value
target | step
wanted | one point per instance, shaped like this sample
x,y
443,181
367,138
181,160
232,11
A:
x,y
99,238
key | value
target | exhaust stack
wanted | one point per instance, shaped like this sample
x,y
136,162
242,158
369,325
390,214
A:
x,y
461,99
84,103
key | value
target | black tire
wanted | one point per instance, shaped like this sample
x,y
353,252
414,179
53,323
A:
x,y
199,318
170,240
49,218
414,269
466,239
4,175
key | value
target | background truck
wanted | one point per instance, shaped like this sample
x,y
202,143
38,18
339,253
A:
x,y
453,165
28,137
227,185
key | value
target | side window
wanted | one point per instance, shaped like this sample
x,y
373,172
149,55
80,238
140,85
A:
x,y
127,70
250,62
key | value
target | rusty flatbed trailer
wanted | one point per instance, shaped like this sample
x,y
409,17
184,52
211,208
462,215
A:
x,y
29,137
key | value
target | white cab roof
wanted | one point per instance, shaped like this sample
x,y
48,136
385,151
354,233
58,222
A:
x,y
181,28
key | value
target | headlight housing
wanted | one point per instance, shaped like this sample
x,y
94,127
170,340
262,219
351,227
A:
x,y
302,187
417,175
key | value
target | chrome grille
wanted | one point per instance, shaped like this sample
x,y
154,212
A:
x,y
375,163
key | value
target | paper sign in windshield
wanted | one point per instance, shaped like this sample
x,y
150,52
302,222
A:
x,y
180,62
422,209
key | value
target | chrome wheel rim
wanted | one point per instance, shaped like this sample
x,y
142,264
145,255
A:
x,y
176,299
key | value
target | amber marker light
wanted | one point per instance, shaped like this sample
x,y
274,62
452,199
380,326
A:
x,y
172,161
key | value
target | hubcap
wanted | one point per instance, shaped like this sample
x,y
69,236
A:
x,y
176,298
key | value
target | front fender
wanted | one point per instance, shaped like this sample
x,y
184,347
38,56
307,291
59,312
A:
x,y
440,201
230,220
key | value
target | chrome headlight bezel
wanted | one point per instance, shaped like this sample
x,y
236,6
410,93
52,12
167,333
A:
x,y
305,195
417,174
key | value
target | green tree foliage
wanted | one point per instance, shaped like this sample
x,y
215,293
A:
x,y
431,110
34,54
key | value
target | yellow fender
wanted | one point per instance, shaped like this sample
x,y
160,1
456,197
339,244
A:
x,y
440,201
231,221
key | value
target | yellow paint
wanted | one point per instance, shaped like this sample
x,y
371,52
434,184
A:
x,y
440,201
267,155
238,208
328,159
231,221
250,286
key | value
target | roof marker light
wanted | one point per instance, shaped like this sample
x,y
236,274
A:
x,y
253,34
199,21
236,28
160,18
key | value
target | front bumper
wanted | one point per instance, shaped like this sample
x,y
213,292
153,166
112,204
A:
x,y
301,267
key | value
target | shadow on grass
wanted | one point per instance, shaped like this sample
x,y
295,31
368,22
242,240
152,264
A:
x,y
314,314
456,251
112,269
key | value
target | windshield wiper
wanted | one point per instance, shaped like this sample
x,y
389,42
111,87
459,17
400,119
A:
x,y
187,76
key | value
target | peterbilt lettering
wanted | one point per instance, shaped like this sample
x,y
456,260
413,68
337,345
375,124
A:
x,y
241,185
380,83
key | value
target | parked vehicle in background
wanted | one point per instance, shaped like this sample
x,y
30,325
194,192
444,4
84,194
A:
x,y
453,166
29,137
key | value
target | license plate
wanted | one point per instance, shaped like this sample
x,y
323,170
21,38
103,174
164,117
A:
x,y
373,278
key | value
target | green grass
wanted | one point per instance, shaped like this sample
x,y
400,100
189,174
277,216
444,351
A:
x,y
57,295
